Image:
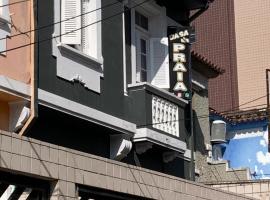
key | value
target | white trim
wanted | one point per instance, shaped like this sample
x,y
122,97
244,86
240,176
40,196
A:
x,y
133,47
73,64
165,92
124,53
88,59
152,11
146,134
15,87
197,85
85,112
8,192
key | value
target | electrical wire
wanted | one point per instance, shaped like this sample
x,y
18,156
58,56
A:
x,y
52,24
57,36
201,117
48,39
251,101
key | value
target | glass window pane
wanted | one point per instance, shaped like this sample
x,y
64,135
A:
x,y
141,20
144,22
143,76
137,18
143,46
143,62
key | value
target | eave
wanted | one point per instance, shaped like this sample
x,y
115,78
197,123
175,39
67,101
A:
x,y
184,4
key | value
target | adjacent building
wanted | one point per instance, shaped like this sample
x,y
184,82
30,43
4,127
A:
x,y
239,44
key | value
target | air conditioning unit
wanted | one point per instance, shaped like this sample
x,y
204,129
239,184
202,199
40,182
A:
x,y
218,132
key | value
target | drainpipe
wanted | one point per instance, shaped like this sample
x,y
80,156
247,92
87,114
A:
x,y
33,72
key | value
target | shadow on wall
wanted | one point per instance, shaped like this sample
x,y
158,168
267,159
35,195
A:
x,y
199,140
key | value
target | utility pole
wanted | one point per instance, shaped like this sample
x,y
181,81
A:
x,y
268,107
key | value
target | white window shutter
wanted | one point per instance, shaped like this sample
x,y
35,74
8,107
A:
x,y
85,21
159,62
4,11
71,8
138,62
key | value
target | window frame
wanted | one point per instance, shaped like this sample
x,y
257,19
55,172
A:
x,y
153,12
5,29
72,64
141,33
96,52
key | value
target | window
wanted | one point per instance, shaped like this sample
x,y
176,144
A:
x,y
142,47
4,24
141,20
218,151
79,29
150,46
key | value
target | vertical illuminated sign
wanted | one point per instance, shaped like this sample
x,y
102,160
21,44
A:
x,y
179,47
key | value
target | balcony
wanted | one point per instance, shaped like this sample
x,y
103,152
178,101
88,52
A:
x,y
158,115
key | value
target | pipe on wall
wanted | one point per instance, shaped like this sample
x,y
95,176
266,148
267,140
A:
x,y
33,72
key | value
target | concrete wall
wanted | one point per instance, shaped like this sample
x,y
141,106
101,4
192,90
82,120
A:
x,y
201,130
213,171
252,46
16,64
68,167
220,172
256,189
238,151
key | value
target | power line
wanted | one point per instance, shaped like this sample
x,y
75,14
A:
x,y
251,101
201,117
57,36
52,24
9,4
41,41
164,122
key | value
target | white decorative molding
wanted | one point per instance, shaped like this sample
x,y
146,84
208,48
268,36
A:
x,y
170,156
14,87
74,65
120,146
156,137
165,116
85,112
19,114
79,79
142,147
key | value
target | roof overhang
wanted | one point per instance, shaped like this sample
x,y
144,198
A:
x,y
184,4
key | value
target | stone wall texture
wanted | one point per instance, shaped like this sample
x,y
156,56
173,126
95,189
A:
x,y
67,167
258,189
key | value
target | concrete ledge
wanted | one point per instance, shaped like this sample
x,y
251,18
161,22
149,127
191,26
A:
x,y
15,87
146,134
85,112
32,157
159,92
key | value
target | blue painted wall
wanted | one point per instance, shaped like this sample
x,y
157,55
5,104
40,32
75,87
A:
x,y
247,146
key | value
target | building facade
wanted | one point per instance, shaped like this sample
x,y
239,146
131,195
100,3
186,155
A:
x,y
239,44
86,107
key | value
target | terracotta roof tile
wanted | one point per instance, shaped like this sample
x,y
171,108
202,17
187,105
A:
x,y
207,62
